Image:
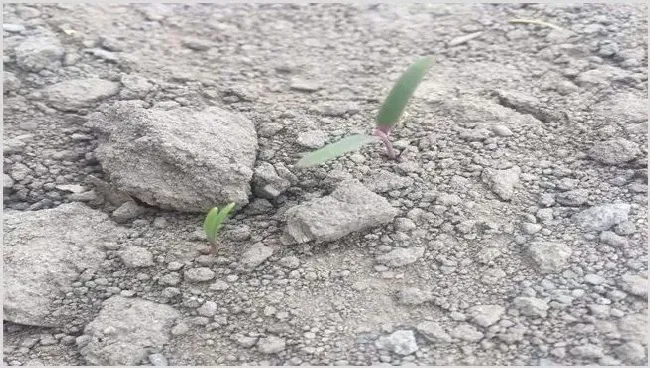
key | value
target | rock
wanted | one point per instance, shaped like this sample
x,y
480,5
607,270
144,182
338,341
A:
x,y
267,183
350,208
634,327
602,217
401,342
13,28
573,198
550,257
502,182
464,38
530,306
40,259
400,256
291,262
208,309
312,139
615,151
413,296
127,211
158,360
125,330
135,86
531,229
7,184
271,345
385,181
501,130
433,332
196,44
634,284
72,188
610,238
587,351
134,257
466,332
182,165
10,82
199,274
38,53
632,353
486,315
624,108
256,255
75,94
303,85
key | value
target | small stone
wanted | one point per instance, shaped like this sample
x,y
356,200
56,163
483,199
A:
x,y
160,222
634,284
573,198
588,351
501,130
158,360
208,309
533,307
603,217
172,279
199,274
550,257
38,53
610,238
486,315
247,341
385,181
219,286
312,139
592,278
302,85
634,327
180,329
400,256
256,255
196,44
502,182
291,262
134,257
413,296
614,152
271,345
127,211
632,353
531,229
401,342
433,332
72,95
466,332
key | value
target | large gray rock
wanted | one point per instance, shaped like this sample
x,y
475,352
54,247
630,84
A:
x,y
38,53
179,159
76,94
350,208
126,331
603,216
401,342
44,252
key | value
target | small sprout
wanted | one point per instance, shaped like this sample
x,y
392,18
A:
x,y
389,114
532,21
336,149
214,220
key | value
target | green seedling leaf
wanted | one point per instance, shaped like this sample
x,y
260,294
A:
x,y
336,149
214,220
402,91
533,21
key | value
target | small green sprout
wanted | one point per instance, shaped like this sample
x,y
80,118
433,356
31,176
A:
x,y
388,116
214,220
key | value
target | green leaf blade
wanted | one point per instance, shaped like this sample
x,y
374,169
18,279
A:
x,y
336,149
210,224
402,91
214,220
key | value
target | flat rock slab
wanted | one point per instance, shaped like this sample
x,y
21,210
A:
x,y
179,159
350,208
44,252
76,94
126,331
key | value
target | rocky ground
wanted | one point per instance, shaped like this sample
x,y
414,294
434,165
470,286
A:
x,y
510,230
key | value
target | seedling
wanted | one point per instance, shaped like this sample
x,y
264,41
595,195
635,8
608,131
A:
x,y
213,222
389,115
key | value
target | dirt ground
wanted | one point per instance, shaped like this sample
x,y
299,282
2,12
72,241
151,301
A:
x,y
511,229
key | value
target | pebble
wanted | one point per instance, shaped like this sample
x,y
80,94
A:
x,y
530,306
312,139
615,151
271,344
134,257
401,342
550,257
199,274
